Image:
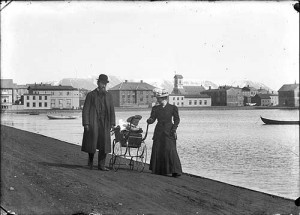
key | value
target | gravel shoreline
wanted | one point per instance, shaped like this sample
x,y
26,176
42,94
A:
x,y
42,175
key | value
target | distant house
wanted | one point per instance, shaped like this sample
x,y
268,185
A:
x,y
130,94
288,95
180,89
248,92
274,99
234,97
225,96
218,96
261,100
7,87
194,100
188,96
262,91
46,96
19,91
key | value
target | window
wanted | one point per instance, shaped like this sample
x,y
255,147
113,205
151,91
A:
x,y
40,98
60,93
205,102
27,97
190,102
182,103
33,104
181,98
52,102
177,98
173,98
69,103
195,102
45,104
28,104
40,104
200,102
45,97
68,93
33,97
177,103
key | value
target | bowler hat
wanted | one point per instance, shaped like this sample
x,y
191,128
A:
x,y
103,78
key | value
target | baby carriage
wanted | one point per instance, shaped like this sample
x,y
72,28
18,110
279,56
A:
x,y
129,143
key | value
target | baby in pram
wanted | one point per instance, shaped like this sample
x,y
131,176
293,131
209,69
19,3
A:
x,y
129,132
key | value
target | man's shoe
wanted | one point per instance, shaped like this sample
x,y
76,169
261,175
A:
x,y
90,164
103,169
175,175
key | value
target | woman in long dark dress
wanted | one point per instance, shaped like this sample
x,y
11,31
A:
x,y
164,157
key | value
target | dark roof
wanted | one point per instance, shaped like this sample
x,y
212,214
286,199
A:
x,y
245,89
178,76
189,90
50,87
7,83
193,89
289,87
197,96
178,92
141,86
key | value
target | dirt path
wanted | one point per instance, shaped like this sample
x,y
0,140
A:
x,y
41,175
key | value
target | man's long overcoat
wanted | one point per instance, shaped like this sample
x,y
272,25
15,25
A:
x,y
90,116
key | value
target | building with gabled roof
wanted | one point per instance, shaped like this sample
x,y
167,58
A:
x,y
288,95
261,100
132,94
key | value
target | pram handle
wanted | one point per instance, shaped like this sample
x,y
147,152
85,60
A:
x,y
146,132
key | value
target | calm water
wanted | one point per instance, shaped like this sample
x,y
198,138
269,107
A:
x,y
231,146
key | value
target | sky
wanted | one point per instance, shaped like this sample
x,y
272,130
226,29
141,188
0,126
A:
x,y
209,41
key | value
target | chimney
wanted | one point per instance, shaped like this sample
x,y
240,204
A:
x,y
141,81
125,81
209,87
248,85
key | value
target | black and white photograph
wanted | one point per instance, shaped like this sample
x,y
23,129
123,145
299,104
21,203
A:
x,y
150,107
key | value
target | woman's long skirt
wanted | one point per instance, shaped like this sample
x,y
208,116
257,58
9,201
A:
x,y
164,158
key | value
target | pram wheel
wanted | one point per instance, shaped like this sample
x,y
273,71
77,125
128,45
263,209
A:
x,y
116,155
141,157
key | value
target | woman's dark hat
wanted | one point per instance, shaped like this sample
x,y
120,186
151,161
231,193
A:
x,y
103,78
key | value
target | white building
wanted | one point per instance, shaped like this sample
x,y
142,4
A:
x,y
188,96
46,96
6,94
37,101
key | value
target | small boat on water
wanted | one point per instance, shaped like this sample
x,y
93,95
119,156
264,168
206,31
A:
x,y
278,122
61,117
34,113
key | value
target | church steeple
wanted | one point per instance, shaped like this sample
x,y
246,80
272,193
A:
x,y
178,83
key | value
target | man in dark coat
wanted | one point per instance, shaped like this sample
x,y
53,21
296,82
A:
x,y
98,117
